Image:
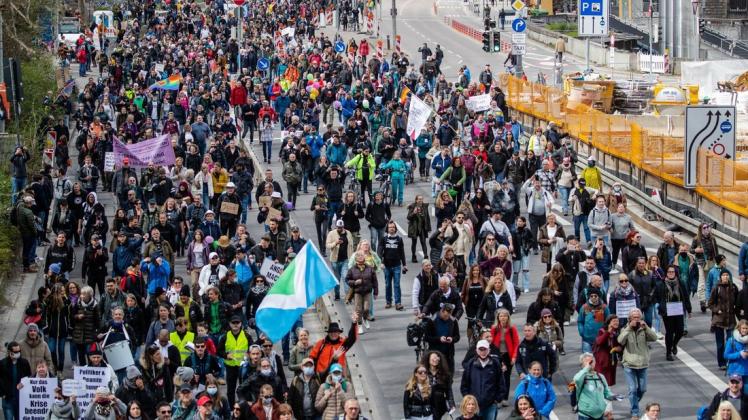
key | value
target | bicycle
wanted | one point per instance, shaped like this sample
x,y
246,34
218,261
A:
x,y
353,184
385,186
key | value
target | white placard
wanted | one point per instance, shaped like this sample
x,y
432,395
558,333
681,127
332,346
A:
x,y
674,309
519,38
91,378
290,31
624,306
271,270
36,397
72,387
418,115
109,162
519,49
479,103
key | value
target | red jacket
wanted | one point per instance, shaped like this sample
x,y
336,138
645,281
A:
x,y
259,412
238,95
268,112
511,338
363,48
82,55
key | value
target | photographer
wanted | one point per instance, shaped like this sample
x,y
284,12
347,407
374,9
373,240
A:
x,y
634,339
19,172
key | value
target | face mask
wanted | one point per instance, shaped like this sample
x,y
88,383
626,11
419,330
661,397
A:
x,y
15,356
337,378
59,401
212,391
683,254
308,371
617,189
266,372
267,400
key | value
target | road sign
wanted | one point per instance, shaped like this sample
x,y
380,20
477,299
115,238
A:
x,y
518,5
263,64
710,127
519,38
339,47
519,25
518,49
593,17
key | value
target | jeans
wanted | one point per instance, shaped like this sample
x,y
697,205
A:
x,y
489,413
16,186
246,201
586,347
267,150
637,382
720,336
564,191
10,408
648,315
82,70
29,251
57,348
339,268
376,235
73,351
392,275
521,269
582,221
333,207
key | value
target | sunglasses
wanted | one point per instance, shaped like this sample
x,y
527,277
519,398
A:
x,y
267,346
623,281
165,412
200,346
547,316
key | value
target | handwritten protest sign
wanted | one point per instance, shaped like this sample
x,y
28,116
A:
x,y
271,270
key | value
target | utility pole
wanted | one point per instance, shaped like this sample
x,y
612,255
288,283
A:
x,y
651,35
393,12
2,71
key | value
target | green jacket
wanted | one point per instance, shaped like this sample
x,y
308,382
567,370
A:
x,y
424,143
26,221
358,163
592,393
447,175
634,343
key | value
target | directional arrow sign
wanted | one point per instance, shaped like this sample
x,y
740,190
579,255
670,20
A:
x,y
263,64
519,25
339,47
712,128
592,19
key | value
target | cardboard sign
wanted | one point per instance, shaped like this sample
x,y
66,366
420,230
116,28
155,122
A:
x,y
674,309
479,103
230,208
109,162
36,397
273,214
265,201
271,270
624,306
91,378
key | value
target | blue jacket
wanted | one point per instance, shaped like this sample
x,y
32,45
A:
x,y
397,166
337,153
158,275
123,255
281,103
423,142
244,273
712,279
440,164
736,365
315,143
540,390
348,105
589,321
743,260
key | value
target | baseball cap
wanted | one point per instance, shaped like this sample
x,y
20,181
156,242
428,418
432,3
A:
x,y
204,400
339,223
482,344
230,185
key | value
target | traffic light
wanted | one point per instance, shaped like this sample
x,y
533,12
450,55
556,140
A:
x,y
496,41
702,26
486,41
488,24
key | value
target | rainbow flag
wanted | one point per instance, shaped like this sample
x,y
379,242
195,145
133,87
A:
x,y
404,95
170,83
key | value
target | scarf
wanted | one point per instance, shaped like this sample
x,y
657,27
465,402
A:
x,y
672,290
103,409
742,339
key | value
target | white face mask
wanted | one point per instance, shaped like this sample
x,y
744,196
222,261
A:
x,y
308,370
212,390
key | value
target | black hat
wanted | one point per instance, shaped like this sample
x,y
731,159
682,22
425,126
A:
x,y
334,327
185,291
235,318
94,350
159,291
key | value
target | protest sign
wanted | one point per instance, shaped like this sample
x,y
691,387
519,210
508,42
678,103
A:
x,y
91,378
157,150
624,306
229,208
479,103
265,201
109,162
36,397
271,270
72,387
273,214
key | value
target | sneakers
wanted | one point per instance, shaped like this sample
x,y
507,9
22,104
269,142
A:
x,y
566,323
366,324
361,330
399,307
526,291
388,305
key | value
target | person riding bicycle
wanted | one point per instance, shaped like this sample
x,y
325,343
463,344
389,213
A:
x,y
397,175
365,166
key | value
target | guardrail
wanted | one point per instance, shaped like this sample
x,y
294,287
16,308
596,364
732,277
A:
x,y
473,33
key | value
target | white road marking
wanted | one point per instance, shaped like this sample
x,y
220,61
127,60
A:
x,y
401,230
698,368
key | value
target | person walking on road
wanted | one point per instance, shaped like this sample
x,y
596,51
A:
x,y
559,49
483,379
392,251
634,339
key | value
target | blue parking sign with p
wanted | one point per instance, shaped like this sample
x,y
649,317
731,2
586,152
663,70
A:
x,y
591,8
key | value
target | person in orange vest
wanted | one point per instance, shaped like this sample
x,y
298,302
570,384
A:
x,y
332,348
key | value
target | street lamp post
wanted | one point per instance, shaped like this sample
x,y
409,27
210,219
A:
x,y
695,10
393,12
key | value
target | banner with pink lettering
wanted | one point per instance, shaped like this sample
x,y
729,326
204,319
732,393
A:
x,y
157,150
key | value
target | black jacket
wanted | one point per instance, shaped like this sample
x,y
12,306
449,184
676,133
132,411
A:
x,y
60,254
8,386
536,350
486,383
209,364
489,306
378,214
392,251
723,396
437,298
